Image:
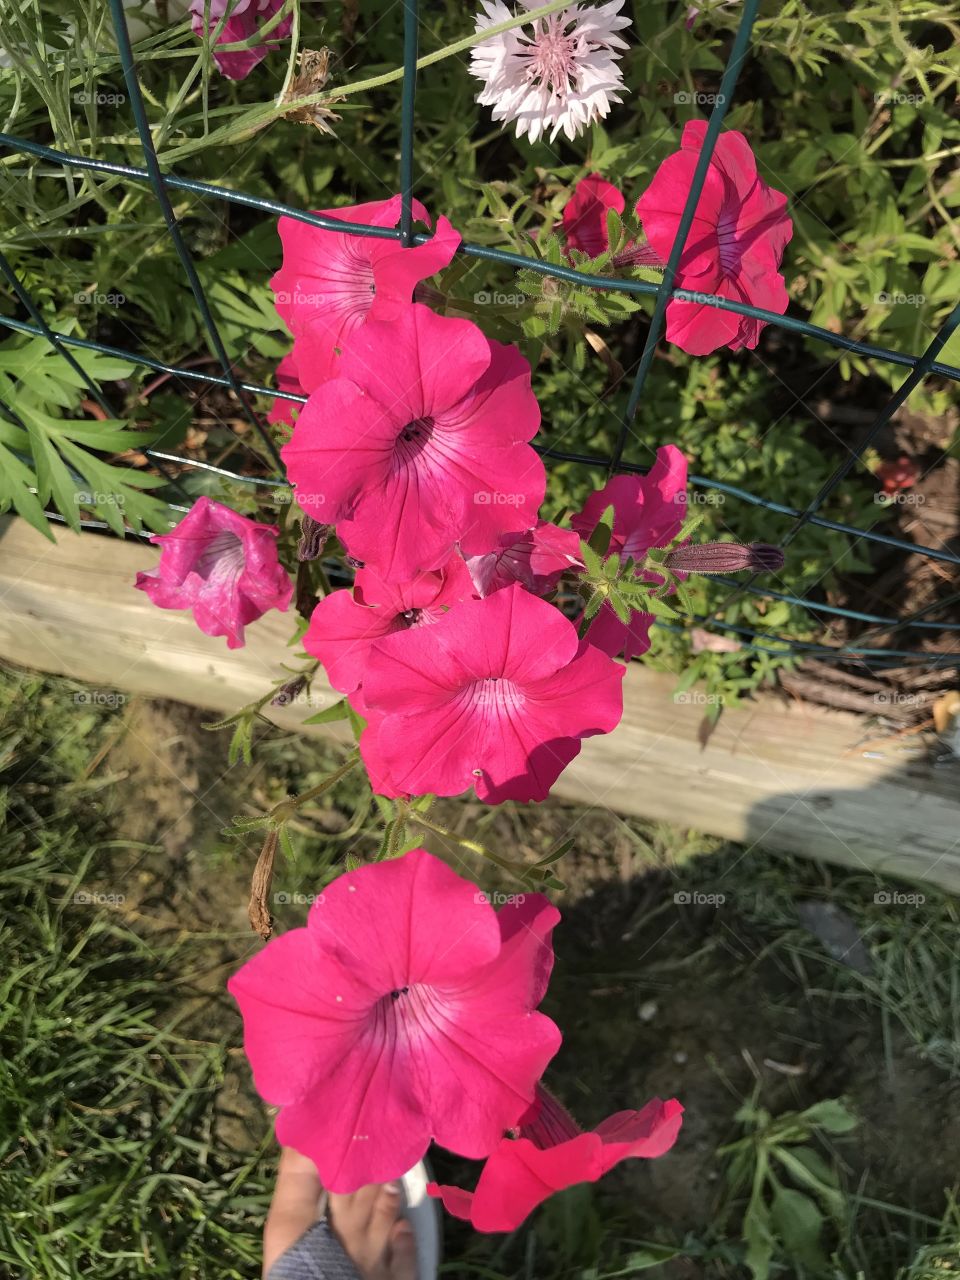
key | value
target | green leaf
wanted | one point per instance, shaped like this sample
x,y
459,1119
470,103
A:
x,y
798,1223
832,1115
339,711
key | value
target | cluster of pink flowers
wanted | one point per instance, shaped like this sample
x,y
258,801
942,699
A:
x,y
416,1002
415,447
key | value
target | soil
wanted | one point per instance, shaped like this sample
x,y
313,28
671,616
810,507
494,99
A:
x,y
655,997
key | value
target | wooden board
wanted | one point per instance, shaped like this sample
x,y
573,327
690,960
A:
x,y
778,774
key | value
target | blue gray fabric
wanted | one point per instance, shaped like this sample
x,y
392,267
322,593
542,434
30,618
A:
x,y
317,1255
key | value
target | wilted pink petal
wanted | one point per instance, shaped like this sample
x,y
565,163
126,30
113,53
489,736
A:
x,y
735,245
331,282
345,624
648,511
403,1012
246,18
287,380
496,696
220,565
536,558
420,444
585,214
551,1154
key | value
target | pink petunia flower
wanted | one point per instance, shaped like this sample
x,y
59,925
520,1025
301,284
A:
x,y
404,1011
419,444
550,1153
345,624
648,511
585,214
246,18
536,558
497,696
220,565
331,282
735,245
287,380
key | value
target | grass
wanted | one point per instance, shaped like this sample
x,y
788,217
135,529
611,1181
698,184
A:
x,y
131,1143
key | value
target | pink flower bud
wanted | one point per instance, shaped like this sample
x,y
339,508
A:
x,y
725,557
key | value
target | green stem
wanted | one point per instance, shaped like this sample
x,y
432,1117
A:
x,y
287,808
473,845
260,117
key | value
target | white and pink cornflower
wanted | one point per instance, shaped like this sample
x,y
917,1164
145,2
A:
x,y
221,566
553,74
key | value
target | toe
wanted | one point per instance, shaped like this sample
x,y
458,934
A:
x,y
383,1218
403,1252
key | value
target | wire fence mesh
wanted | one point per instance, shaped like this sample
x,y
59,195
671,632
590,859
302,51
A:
x,y
866,650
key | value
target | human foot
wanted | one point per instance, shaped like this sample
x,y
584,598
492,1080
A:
x,y
379,1243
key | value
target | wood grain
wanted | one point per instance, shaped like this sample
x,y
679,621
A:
x,y
776,773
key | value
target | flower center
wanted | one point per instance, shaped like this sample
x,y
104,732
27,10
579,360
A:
x,y
727,241
493,693
221,557
551,57
547,1123
413,439
411,617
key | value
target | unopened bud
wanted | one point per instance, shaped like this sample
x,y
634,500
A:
x,y
287,693
725,557
313,538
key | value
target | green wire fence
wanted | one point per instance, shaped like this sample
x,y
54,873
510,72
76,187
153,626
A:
x,y
922,366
